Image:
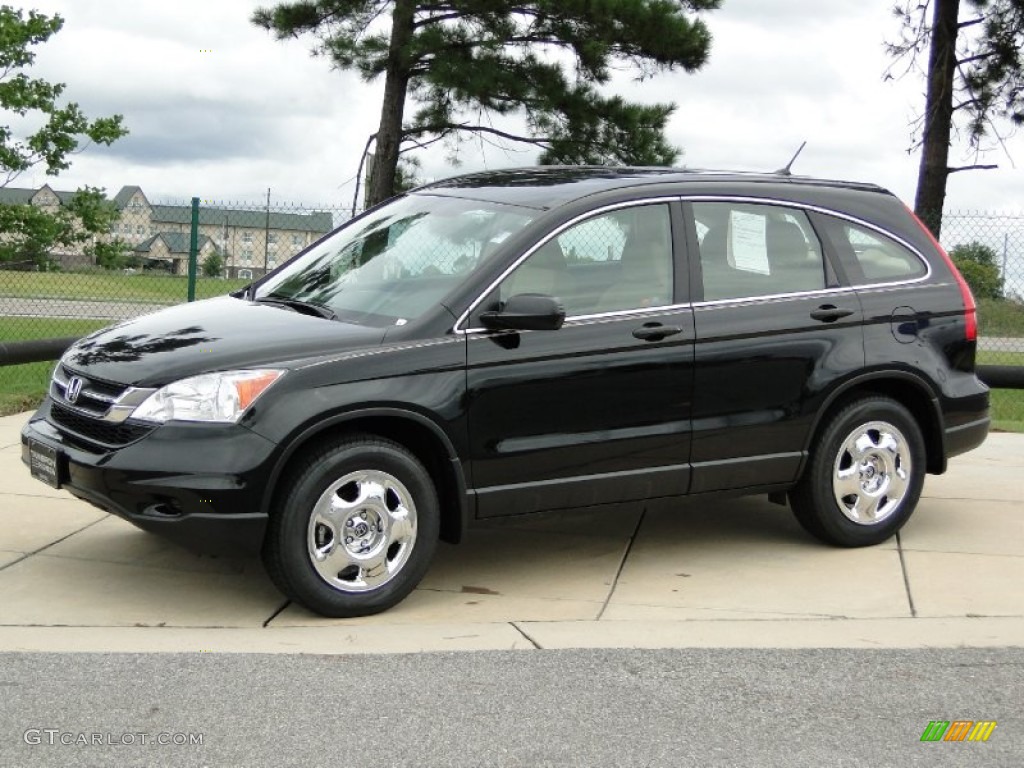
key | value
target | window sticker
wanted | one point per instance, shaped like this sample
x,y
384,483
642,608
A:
x,y
748,242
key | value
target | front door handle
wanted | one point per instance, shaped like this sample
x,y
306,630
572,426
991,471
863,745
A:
x,y
829,313
656,331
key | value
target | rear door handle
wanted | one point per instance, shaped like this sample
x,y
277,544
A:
x,y
829,313
656,331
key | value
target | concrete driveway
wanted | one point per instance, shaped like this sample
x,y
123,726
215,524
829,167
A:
x,y
738,573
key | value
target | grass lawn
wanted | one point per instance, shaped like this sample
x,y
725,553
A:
x,y
1007,404
1000,318
22,386
111,286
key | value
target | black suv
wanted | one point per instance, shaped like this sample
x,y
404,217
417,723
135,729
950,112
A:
x,y
537,339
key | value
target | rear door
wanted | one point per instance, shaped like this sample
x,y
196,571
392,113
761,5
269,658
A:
x,y
598,411
773,329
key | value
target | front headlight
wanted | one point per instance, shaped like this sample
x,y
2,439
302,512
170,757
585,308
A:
x,y
217,397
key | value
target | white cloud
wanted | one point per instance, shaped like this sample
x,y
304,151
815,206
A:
x,y
254,112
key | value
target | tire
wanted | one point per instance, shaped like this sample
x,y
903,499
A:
x,y
865,475
354,528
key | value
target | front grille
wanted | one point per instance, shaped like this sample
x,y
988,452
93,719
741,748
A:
x,y
104,433
107,388
95,396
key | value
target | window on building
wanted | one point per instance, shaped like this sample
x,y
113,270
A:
x,y
247,237
297,240
272,239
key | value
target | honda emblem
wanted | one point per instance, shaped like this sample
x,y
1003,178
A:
x,y
74,389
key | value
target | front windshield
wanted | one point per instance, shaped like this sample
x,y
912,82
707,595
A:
x,y
396,263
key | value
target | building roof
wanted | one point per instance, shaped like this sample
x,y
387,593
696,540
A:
x,y
122,198
16,196
21,196
320,221
176,242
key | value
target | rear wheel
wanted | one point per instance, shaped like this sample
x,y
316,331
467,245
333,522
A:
x,y
355,528
865,475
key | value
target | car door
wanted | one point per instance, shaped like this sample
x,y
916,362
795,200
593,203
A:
x,y
599,410
773,329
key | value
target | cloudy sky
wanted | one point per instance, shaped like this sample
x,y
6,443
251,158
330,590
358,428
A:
x,y
218,109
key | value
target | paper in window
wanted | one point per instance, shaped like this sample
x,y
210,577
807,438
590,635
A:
x,y
748,242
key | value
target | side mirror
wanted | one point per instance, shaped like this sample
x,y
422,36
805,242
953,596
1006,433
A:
x,y
527,312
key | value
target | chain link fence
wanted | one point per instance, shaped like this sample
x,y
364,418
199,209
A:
x,y
988,248
65,293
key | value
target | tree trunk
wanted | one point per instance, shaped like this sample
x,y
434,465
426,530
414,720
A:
x,y
938,115
381,184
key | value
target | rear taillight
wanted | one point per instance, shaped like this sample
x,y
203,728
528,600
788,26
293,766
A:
x,y
970,308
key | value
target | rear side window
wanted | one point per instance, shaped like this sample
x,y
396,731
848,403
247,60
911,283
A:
x,y
749,250
871,257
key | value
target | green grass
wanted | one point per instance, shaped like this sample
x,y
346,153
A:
x,y
999,357
1008,410
111,286
1000,318
22,386
1007,404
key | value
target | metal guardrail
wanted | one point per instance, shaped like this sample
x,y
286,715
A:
x,y
35,351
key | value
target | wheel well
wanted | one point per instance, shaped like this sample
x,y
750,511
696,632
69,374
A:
x,y
911,396
426,446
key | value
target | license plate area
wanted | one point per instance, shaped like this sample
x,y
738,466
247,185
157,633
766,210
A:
x,y
44,463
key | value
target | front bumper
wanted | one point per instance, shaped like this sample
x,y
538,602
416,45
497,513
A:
x,y
202,486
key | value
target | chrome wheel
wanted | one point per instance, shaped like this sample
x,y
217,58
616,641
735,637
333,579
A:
x,y
362,531
872,473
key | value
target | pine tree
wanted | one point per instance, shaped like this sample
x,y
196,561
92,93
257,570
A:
x,y
463,62
975,79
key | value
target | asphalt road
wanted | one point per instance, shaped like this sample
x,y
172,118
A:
x,y
73,308
761,708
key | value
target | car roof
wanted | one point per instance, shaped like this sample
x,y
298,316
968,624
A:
x,y
546,187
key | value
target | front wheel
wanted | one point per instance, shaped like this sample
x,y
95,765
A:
x,y
865,476
355,528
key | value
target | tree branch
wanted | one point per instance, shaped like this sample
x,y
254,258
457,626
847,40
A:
x,y
977,57
971,168
359,173
966,104
971,23
449,127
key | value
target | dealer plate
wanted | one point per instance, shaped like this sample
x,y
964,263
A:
x,y
44,463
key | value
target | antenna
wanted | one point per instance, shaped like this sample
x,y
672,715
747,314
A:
x,y
786,171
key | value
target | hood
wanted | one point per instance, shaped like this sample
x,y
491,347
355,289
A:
x,y
213,335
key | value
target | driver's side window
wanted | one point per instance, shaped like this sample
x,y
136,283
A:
x,y
619,260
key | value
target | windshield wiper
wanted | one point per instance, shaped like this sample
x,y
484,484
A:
x,y
299,305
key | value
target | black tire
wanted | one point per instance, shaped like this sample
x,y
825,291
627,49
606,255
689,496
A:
x,y
349,503
893,459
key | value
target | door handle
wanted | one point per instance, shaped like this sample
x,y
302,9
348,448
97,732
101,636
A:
x,y
829,313
656,331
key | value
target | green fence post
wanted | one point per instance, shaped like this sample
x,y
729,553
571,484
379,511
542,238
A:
x,y
193,250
